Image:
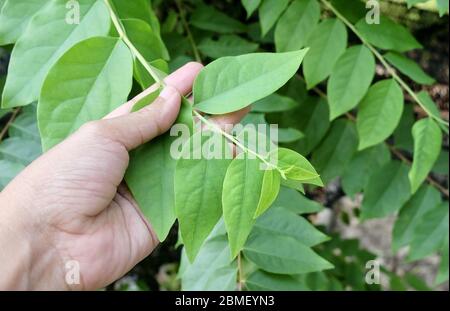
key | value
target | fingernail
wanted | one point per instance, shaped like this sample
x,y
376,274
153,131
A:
x,y
168,92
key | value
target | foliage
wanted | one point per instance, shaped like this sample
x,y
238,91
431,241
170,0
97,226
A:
x,y
242,227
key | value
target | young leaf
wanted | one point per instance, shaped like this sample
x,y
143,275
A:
x,y
208,18
269,191
386,192
350,79
198,188
297,167
411,215
296,25
26,75
388,35
431,233
15,17
269,12
379,113
327,43
362,166
93,78
223,85
241,193
336,151
427,146
288,257
409,68
226,45
251,6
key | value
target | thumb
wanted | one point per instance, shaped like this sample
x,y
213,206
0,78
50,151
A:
x,y
137,128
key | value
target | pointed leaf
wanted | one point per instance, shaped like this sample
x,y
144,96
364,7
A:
x,y
350,79
269,191
269,13
26,75
222,86
89,81
379,113
409,68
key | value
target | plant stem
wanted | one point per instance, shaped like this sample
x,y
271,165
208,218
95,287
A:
x,y
179,5
8,124
235,141
239,273
383,61
122,33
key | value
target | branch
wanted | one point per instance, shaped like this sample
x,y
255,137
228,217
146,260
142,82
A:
x,y
8,124
382,60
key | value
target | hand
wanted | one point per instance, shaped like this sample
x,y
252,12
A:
x,y
71,204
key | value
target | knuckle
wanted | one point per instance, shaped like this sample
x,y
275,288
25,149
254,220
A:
x,y
94,128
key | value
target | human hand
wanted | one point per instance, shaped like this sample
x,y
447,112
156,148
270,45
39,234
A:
x,y
71,203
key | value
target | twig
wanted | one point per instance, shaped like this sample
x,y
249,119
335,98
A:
x,y
239,273
188,31
386,65
8,124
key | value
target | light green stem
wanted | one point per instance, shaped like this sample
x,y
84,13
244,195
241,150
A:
x,y
383,61
121,31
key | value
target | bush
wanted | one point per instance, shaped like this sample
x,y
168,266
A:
x,y
350,117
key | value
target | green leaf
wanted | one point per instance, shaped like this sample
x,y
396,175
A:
x,y
26,74
198,188
208,18
386,192
327,42
353,12
226,45
296,25
269,12
139,9
289,135
25,125
296,202
442,275
280,220
312,119
144,78
431,233
336,151
409,68
430,106
241,193
442,163
379,113
288,257
269,191
90,80
264,281
297,167
211,269
402,135
427,146
442,6
150,177
251,6
20,150
411,215
350,79
274,103
362,166
388,35
222,86
15,17
145,39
